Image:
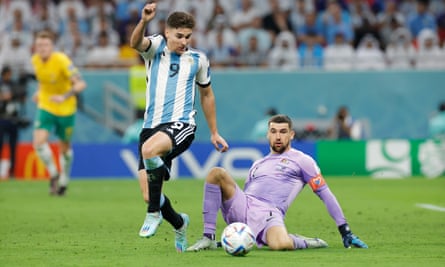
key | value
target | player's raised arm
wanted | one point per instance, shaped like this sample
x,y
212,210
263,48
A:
x,y
137,39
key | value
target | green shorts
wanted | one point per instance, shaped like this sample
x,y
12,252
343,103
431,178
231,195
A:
x,y
63,125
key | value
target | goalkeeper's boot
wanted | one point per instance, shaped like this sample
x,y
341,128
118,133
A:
x,y
151,224
313,242
203,244
181,234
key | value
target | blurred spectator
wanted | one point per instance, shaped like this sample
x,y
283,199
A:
x,y
217,13
99,9
437,123
78,7
103,24
9,8
221,28
429,54
18,27
71,9
335,19
202,10
221,53
104,54
407,7
400,52
75,44
310,29
344,127
310,53
243,16
284,54
10,117
127,55
15,55
298,12
421,19
363,21
340,55
276,20
252,56
263,37
45,17
368,55
389,20
259,130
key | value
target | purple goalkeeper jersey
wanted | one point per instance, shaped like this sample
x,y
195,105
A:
x,y
277,179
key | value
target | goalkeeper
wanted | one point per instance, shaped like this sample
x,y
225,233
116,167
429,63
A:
x,y
272,185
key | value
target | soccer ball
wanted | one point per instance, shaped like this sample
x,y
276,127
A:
x,y
237,239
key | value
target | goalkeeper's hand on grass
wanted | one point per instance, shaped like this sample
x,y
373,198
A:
x,y
349,239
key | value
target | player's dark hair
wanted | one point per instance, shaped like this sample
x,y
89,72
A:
x,y
180,19
281,118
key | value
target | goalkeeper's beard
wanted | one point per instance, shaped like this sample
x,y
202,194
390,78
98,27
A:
x,y
279,149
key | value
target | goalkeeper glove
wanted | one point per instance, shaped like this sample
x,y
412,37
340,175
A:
x,y
349,239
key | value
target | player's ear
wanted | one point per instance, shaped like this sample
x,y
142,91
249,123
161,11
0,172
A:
x,y
292,134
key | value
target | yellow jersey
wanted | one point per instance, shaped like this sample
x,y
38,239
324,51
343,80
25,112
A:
x,y
54,78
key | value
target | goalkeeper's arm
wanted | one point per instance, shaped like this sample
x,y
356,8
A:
x,y
334,209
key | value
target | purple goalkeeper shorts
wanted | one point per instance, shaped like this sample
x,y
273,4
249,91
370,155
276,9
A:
x,y
258,215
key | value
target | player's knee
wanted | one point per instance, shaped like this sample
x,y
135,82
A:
x,y
216,175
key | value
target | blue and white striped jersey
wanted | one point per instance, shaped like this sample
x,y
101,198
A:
x,y
171,83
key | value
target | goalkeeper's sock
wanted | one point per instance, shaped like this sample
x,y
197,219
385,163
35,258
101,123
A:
x,y
170,215
299,243
211,205
46,155
209,236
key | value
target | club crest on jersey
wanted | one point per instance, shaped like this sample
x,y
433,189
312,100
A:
x,y
317,182
284,161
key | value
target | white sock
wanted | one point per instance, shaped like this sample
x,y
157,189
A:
x,y
65,167
46,155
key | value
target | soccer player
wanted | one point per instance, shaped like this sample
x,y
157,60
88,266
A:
x,y
173,70
59,82
272,185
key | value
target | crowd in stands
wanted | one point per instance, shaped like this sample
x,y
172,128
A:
x,y
274,34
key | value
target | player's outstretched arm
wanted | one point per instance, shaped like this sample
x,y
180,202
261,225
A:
x,y
349,239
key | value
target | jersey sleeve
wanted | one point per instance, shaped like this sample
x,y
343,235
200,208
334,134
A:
x,y
156,41
68,67
311,173
203,75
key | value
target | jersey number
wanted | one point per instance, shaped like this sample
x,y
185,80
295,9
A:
x,y
174,69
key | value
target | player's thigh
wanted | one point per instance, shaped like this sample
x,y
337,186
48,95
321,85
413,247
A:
x,y
156,145
277,238
234,209
43,125
65,127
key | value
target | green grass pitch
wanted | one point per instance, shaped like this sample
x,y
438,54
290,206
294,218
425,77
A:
x,y
97,224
